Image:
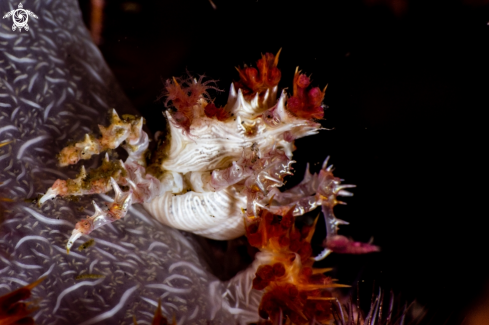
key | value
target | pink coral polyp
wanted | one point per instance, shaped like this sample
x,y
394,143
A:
x,y
183,96
305,103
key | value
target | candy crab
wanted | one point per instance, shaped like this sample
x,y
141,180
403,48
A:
x,y
60,89
216,164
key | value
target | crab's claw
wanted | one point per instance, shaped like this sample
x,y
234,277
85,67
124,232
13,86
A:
x,y
74,236
50,194
59,188
122,202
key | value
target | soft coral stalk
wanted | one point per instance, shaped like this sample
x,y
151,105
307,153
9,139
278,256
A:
x,y
306,102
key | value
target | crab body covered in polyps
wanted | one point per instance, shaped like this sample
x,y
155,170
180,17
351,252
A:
x,y
218,171
215,166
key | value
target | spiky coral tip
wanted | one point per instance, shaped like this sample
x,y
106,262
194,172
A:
x,y
306,103
258,80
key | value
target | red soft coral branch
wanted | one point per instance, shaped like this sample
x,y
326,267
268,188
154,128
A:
x,y
294,290
218,112
184,96
305,103
267,76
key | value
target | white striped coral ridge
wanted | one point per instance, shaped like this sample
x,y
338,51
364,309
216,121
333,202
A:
x,y
214,144
215,215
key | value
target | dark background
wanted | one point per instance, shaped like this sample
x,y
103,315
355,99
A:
x,y
408,88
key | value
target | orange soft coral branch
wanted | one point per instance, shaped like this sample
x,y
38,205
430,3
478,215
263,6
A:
x,y
305,103
158,318
267,76
12,310
293,288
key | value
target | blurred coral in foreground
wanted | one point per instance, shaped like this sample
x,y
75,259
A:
x,y
13,310
158,318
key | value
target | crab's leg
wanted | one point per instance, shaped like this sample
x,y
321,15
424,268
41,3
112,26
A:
x,y
329,189
116,210
269,174
317,190
118,131
97,181
314,191
132,173
143,188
